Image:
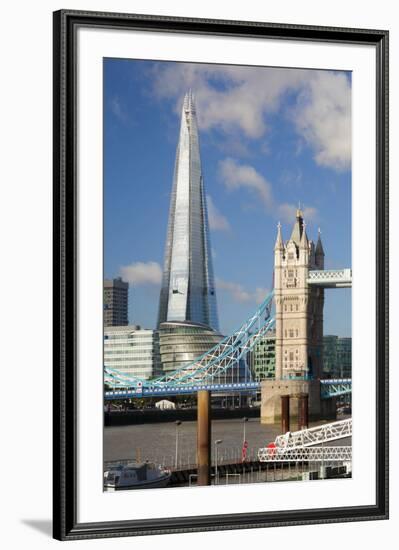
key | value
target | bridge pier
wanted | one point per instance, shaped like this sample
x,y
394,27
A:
x,y
204,437
285,414
303,411
271,404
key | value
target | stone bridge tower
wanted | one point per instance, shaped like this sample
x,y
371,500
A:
x,y
299,323
299,306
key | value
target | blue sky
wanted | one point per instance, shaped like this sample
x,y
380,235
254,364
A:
x,y
270,138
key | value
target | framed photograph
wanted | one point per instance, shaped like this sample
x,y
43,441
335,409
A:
x,y
218,187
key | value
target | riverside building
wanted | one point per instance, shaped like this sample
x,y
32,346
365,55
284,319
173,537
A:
x,y
133,351
337,356
116,298
263,358
182,342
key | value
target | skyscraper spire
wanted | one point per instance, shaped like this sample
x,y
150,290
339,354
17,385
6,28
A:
x,y
188,289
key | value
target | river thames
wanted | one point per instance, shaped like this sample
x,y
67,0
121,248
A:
x,y
157,442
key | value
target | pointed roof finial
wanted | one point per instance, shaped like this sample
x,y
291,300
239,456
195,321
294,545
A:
x,y
279,241
319,246
299,212
304,238
296,234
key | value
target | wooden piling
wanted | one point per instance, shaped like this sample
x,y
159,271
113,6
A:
x,y
204,437
285,413
303,411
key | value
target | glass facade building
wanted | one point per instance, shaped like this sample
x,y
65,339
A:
x,y
132,350
344,357
337,356
188,289
182,342
263,358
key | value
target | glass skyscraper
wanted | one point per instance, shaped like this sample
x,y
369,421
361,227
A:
x,y
188,289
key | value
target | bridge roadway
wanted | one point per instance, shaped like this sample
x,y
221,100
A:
x,y
330,388
330,278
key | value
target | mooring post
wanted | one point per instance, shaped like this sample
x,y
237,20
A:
x,y
204,437
303,411
285,414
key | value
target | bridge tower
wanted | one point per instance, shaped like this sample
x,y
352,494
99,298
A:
x,y
299,322
299,306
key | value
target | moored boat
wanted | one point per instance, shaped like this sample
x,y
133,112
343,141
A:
x,y
136,475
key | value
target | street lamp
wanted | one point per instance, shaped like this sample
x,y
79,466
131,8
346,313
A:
x,y
217,442
244,442
245,419
178,423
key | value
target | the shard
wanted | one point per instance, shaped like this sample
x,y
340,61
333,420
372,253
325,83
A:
x,y
188,289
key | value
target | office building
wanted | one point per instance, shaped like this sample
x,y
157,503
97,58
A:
x,y
337,356
181,342
188,289
116,293
262,358
133,351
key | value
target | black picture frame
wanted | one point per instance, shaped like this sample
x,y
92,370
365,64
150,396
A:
x,y
66,23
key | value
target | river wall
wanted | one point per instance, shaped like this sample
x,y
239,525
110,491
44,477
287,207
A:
x,y
146,416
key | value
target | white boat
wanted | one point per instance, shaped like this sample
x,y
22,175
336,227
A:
x,y
136,475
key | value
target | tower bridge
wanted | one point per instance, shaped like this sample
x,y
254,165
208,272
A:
x,y
298,299
188,294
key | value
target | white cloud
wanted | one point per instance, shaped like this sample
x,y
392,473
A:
x,y
323,117
142,273
235,176
287,212
245,97
260,294
240,294
117,109
217,221
237,291
292,177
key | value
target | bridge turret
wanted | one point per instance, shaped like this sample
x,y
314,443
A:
x,y
279,248
319,254
299,307
297,230
304,238
304,246
279,241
